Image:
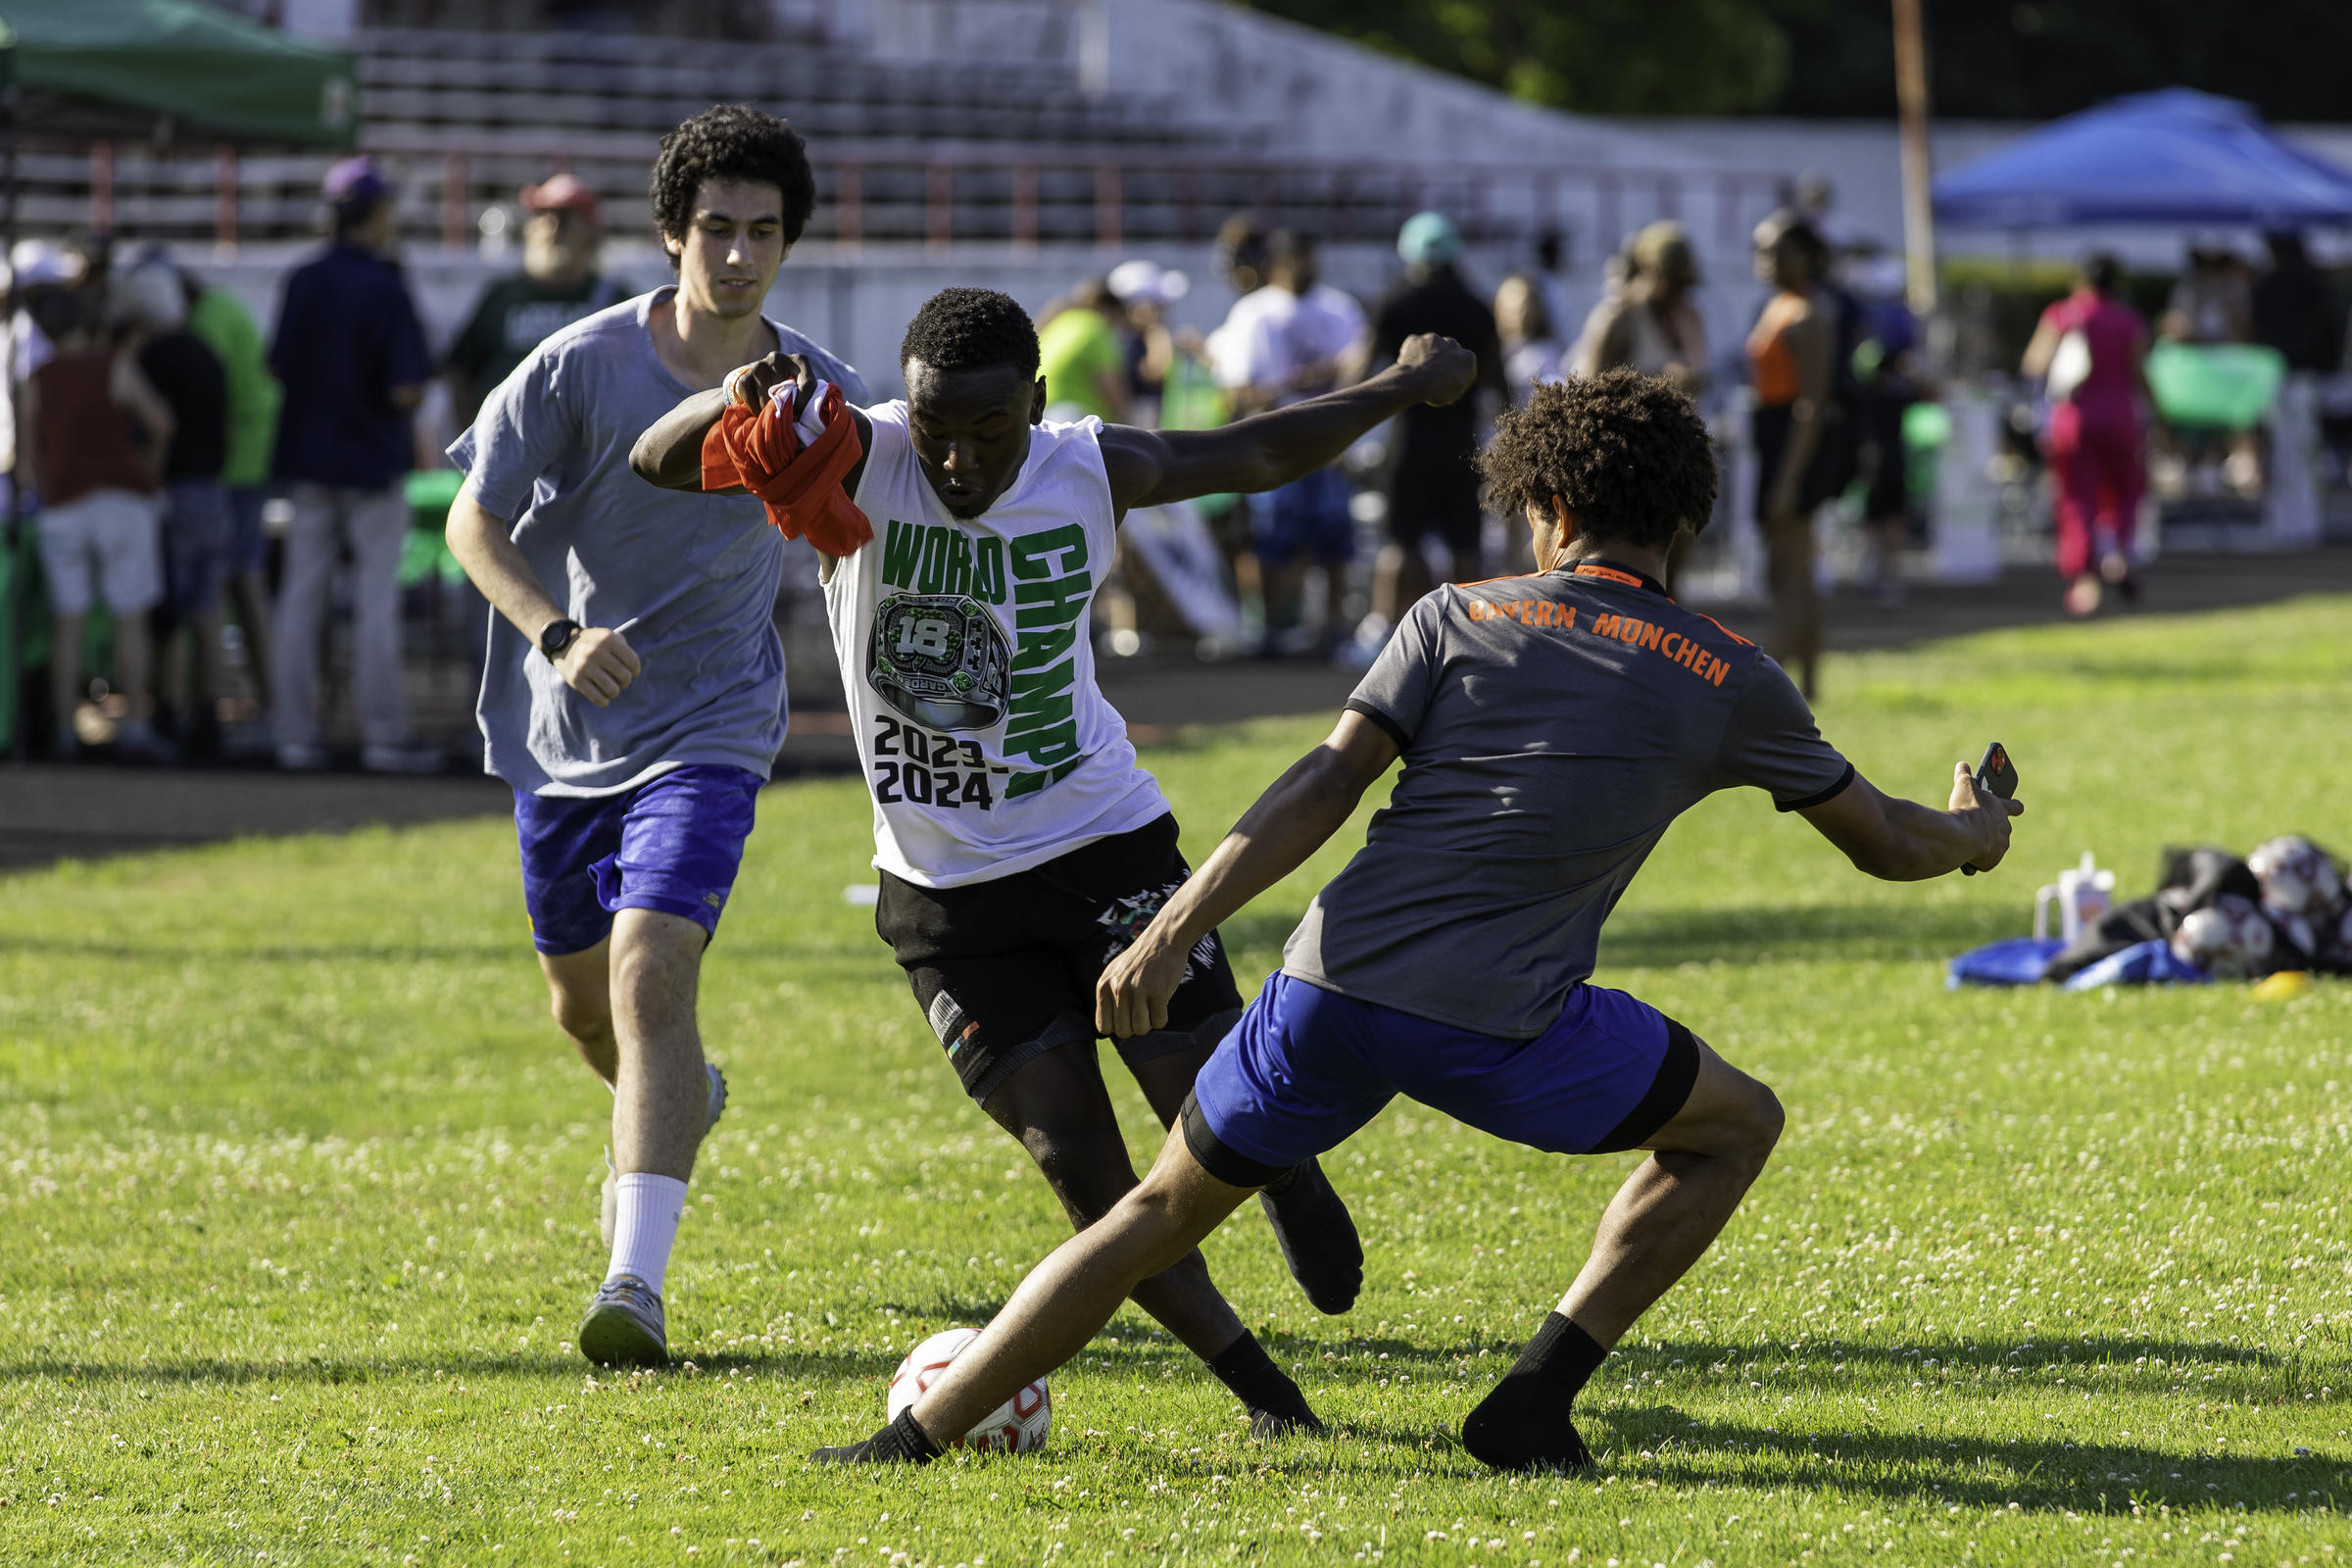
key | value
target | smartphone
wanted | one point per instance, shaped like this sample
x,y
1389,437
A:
x,y
1995,775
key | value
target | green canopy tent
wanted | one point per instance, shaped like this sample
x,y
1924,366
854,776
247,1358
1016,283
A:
x,y
158,71
136,68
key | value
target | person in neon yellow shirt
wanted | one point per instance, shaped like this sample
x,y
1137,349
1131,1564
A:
x,y
1083,359
222,323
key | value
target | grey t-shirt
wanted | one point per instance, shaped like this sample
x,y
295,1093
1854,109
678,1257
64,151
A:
x,y
689,579
1552,727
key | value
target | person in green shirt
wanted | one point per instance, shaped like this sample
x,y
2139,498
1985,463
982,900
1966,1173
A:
x,y
559,283
222,322
1081,357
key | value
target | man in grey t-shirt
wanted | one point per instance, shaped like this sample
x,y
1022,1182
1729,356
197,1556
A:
x,y
634,690
1551,726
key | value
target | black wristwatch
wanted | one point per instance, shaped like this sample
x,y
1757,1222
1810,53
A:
x,y
557,636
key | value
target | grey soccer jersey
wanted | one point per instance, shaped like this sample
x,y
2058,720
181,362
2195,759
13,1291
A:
x,y
691,579
1552,727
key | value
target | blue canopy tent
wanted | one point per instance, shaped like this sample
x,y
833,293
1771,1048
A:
x,y
2175,157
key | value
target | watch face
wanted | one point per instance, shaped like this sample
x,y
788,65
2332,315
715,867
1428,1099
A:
x,y
940,661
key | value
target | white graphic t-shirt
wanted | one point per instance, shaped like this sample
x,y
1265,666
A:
x,y
966,650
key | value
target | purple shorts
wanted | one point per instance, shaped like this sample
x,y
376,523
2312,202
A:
x,y
1305,1068
672,845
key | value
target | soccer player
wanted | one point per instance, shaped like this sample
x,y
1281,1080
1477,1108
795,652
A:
x,y
1552,727
1020,844
635,693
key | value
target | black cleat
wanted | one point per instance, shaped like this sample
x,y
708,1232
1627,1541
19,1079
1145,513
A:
x,y
1317,1237
1522,1440
903,1442
1267,1424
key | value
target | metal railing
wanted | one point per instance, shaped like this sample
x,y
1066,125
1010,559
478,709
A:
x,y
936,194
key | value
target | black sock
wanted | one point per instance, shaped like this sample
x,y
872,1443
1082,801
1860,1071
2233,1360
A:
x,y
1316,1235
903,1442
1266,1391
1525,1423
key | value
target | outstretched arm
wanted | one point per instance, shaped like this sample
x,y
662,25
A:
x,y
670,453
1150,467
1902,841
1292,820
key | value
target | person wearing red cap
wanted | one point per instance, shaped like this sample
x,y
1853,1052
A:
x,y
559,283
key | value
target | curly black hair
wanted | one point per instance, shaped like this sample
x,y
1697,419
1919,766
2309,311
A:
x,y
731,141
971,329
1625,452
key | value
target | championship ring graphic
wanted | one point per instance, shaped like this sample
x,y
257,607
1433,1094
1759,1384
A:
x,y
940,661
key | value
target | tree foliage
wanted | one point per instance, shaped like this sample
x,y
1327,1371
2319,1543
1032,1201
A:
x,y
1836,58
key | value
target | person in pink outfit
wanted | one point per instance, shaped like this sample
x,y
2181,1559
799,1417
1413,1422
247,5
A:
x,y
2091,350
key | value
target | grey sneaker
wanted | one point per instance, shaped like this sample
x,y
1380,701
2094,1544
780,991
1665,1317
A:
x,y
611,1195
624,1326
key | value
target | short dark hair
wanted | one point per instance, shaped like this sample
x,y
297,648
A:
x,y
731,141
2103,272
1625,452
971,329
1787,226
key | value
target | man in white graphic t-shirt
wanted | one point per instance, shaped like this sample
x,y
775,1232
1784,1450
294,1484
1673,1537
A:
x,y
1020,844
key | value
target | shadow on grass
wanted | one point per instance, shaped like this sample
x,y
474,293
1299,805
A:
x,y
2044,1475
815,1366
2035,1351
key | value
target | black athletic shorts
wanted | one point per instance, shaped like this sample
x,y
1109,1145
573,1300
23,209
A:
x,y
1005,969
1436,495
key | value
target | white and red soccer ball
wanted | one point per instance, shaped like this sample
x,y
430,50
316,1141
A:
x,y
2300,882
1017,1426
2230,938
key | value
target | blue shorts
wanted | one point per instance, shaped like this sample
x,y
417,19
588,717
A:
x,y
1306,1068
672,845
248,540
197,530
1306,517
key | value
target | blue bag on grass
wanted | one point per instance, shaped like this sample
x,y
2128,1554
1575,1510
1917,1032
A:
x,y
2144,963
2018,962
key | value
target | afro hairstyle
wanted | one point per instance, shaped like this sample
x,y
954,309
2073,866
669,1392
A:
x,y
971,329
1625,452
731,141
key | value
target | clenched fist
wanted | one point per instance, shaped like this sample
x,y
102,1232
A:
x,y
1443,365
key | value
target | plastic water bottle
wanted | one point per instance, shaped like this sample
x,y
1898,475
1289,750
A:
x,y
2084,897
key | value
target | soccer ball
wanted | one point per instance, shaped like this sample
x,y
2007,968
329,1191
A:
x,y
2298,880
1017,1426
2228,938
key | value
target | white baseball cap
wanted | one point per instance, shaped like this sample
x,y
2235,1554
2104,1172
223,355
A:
x,y
42,261
1146,283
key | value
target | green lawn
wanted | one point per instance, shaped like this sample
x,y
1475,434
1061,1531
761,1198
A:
x,y
300,1192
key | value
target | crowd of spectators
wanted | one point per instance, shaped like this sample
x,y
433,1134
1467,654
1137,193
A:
x,y
150,422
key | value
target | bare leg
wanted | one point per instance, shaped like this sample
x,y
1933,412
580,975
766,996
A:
x,y
1068,1299
1057,1106
251,593
204,667
1795,601
65,666
580,995
1667,1213
1673,1206
1310,1220
1399,580
661,1091
1285,588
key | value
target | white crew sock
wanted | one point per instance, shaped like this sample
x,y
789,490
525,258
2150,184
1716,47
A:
x,y
645,1226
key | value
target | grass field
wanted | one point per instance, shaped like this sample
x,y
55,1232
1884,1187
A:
x,y
300,1192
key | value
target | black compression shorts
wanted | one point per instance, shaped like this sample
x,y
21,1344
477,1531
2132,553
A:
x,y
1004,970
